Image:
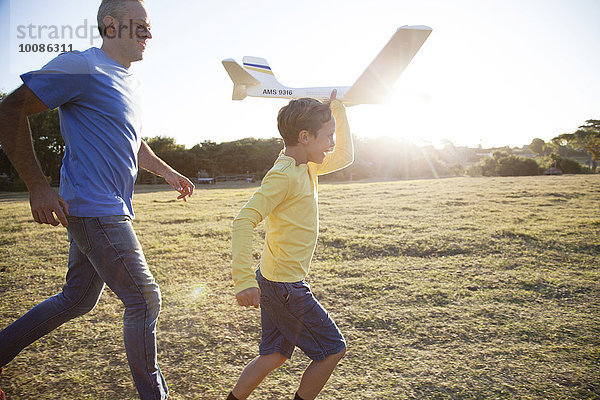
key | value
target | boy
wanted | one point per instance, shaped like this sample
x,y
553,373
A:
x,y
287,199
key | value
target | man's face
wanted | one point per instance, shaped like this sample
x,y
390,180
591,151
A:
x,y
134,31
322,144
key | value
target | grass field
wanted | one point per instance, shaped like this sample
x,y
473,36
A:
x,y
462,288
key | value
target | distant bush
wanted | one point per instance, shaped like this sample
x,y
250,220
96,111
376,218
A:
x,y
566,165
457,170
517,166
504,164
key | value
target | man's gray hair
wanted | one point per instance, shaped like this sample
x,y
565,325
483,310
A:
x,y
114,8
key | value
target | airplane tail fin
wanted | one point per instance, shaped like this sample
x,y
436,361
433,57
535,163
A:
x,y
259,69
376,81
240,77
255,71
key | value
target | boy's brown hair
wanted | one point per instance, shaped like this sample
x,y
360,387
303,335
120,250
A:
x,y
302,114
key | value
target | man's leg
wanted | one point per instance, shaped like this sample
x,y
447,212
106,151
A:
x,y
79,295
317,374
255,372
113,249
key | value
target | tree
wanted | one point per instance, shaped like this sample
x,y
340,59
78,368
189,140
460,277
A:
x,y
163,144
48,143
249,155
586,138
173,154
538,146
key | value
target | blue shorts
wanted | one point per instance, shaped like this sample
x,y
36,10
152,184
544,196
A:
x,y
291,316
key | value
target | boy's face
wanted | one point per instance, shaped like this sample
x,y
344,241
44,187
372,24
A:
x,y
321,144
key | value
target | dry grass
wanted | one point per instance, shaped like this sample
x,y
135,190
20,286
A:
x,y
463,288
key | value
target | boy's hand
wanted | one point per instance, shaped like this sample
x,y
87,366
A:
x,y
249,297
333,95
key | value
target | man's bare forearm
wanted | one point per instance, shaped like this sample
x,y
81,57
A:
x,y
15,136
151,162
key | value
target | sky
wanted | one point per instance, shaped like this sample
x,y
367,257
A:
x,y
492,73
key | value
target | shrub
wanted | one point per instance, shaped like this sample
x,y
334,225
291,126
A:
x,y
504,164
517,166
568,166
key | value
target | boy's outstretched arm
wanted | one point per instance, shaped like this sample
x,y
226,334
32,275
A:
x,y
343,152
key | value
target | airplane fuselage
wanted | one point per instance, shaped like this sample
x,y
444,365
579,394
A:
x,y
283,92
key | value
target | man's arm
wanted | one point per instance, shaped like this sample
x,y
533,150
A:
x,y
15,136
150,162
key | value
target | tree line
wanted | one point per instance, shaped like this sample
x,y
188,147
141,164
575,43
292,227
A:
x,y
570,153
379,158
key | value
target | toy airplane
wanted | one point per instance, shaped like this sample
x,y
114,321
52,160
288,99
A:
x,y
255,78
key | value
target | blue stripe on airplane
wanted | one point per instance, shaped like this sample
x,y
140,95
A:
x,y
258,66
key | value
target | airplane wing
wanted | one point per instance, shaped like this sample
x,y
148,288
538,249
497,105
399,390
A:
x,y
376,81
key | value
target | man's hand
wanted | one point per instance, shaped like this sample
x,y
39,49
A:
x,y
249,297
150,162
45,203
180,183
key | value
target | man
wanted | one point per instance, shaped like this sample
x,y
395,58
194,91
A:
x,y
100,118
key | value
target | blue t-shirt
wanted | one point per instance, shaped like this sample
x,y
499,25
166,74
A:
x,y
99,103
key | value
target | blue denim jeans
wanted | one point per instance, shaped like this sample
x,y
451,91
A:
x,y
102,250
290,316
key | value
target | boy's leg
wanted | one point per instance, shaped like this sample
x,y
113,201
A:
x,y
317,374
274,349
303,322
255,372
79,295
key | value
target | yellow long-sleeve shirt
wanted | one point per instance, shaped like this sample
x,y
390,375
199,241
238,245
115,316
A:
x,y
288,200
